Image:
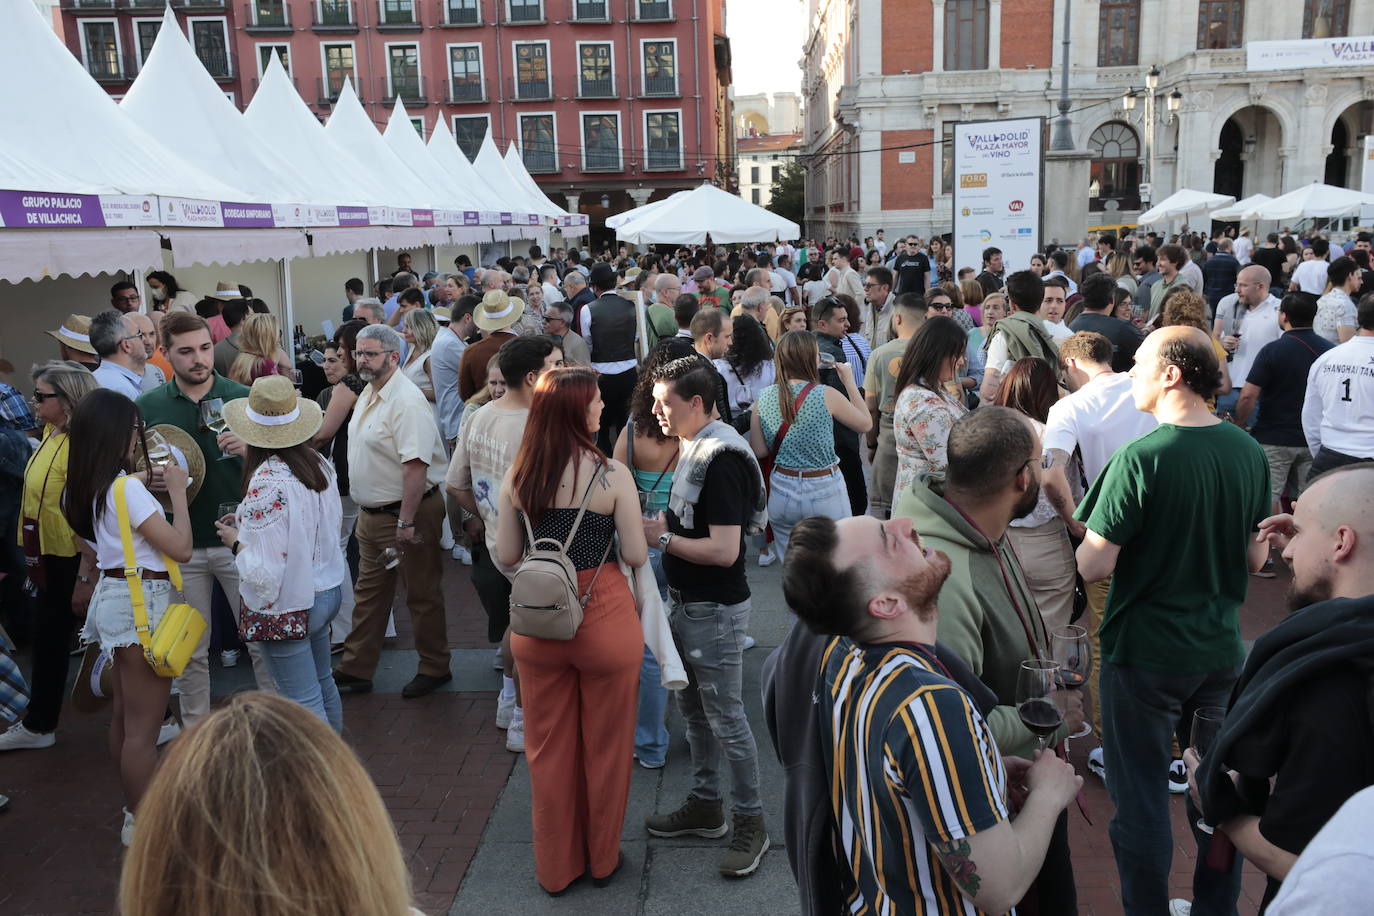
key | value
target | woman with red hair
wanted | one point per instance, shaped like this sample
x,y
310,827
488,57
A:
x,y
580,695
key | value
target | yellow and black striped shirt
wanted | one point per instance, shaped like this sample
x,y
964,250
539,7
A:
x,y
911,763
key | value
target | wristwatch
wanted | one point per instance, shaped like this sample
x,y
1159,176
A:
x,y
401,524
663,540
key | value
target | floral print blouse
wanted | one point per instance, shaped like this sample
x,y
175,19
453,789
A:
x,y
921,421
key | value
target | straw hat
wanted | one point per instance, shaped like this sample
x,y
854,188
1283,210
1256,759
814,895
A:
x,y
498,311
75,333
225,291
442,314
94,685
187,454
273,415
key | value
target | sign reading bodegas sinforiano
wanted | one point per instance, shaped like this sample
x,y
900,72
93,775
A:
x,y
997,190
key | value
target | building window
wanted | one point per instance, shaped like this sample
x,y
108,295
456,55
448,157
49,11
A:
x,y
594,10
966,34
1325,18
465,73
754,174
1219,23
1118,33
404,71
601,143
336,12
532,70
525,11
595,79
655,9
212,45
536,143
462,12
1115,169
269,12
419,125
777,173
338,68
754,195
470,131
265,53
660,68
398,12
663,138
100,42
145,33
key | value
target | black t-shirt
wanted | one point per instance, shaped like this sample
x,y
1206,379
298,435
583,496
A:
x,y
1280,372
727,496
990,282
1271,258
911,271
1123,335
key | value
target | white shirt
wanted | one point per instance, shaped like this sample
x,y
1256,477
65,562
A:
x,y
109,547
152,378
1243,247
1311,276
1192,275
1097,419
388,428
1338,411
115,377
1073,287
1086,255
1334,310
1058,330
1258,326
743,392
552,293
1335,873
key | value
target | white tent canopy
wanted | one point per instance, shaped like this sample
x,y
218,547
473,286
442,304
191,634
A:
x,y
1238,209
444,150
515,165
405,142
492,169
620,219
1184,203
1312,201
689,218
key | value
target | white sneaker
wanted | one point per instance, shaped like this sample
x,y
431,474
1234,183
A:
x,y
505,710
126,833
17,737
169,730
496,663
747,643
1178,907
515,736
462,554
1096,764
229,658
767,557
1178,779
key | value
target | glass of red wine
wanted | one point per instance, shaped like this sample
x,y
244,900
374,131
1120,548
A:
x,y
1074,651
1039,697
1206,726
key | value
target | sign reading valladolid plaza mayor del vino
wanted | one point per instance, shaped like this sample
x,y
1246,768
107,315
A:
x,y
997,167
1311,52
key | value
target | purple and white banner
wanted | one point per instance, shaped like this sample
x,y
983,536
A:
x,y
34,209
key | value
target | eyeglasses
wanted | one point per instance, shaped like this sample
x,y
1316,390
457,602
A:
x,y
132,297
941,307
39,397
369,354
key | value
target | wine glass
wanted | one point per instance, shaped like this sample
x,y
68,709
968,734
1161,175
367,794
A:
x,y
1039,698
293,374
158,448
1074,651
228,513
1206,726
212,416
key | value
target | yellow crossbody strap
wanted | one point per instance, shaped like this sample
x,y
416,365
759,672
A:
x,y
131,576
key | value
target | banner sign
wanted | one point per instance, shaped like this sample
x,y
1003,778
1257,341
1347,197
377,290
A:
x,y
997,190
1367,165
1298,53
37,210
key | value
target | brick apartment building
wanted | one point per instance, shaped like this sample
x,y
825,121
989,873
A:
x,y
610,102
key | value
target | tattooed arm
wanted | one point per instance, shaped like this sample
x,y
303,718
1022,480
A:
x,y
1056,483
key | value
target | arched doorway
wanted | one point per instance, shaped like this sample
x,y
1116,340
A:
x,y
1343,165
1247,150
1338,160
1229,174
1115,168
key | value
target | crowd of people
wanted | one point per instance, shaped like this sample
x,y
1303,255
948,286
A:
x,y
965,472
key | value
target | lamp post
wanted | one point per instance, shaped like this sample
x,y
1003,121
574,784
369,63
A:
x,y
1063,131
1173,102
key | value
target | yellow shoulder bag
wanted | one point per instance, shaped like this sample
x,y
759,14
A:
x,y
169,647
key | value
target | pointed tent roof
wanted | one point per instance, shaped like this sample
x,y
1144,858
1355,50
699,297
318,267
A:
x,y
353,132
444,148
100,150
400,135
173,91
491,168
516,166
277,111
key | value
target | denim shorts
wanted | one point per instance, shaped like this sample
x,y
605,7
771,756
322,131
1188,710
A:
x,y
110,617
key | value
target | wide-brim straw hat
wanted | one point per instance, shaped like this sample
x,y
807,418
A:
x,y
442,314
273,415
497,311
75,333
94,685
225,291
187,454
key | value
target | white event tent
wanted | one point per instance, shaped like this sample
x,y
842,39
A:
x,y
1238,209
516,166
620,219
444,149
1183,203
688,218
491,169
1312,201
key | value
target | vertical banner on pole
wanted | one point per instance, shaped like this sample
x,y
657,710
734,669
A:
x,y
1367,165
998,190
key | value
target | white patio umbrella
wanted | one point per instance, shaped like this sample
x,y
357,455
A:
x,y
1313,200
707,210
1184,203
1237,210
620,219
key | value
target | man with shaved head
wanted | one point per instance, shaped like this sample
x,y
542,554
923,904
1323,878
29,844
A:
x,y
1172,519
1245,322
1304,687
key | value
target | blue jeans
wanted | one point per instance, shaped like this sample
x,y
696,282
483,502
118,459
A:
x,y
1140,711
792,499
1227,404
709,638
651,729
301,666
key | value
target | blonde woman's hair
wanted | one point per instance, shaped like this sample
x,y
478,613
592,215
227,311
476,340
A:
x,y
1118,265
797,356
70,381
259,340
1184,307
262,809
424,328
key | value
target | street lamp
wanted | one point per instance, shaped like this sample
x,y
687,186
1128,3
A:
x,y
1063,132
1173,102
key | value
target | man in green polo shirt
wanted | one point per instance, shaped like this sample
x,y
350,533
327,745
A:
x,y
189,348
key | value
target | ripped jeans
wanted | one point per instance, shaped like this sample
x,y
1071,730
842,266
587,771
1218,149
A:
x,y
709,638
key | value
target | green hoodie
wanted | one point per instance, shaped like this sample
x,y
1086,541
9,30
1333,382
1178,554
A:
x,y
1026,336
979,616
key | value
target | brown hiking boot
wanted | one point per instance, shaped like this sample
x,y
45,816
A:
x,y
696,817
747,847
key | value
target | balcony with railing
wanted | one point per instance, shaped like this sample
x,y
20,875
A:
x,y
193,5
460,13
596,88
465,90
524,12
109,68
659,86
604,159
217,63
539,160
144,5
88,6
653,10
531,90
400,16
664,159
409,89
294,82
267,18
327,89
334,16
591,10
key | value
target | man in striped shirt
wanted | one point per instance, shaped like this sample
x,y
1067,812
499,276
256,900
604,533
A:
x,y
928,817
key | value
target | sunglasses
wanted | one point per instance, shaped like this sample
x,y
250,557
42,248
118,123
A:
x,y
39,397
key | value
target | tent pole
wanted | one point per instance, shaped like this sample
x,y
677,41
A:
x,y
641,331
289,328
138,281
